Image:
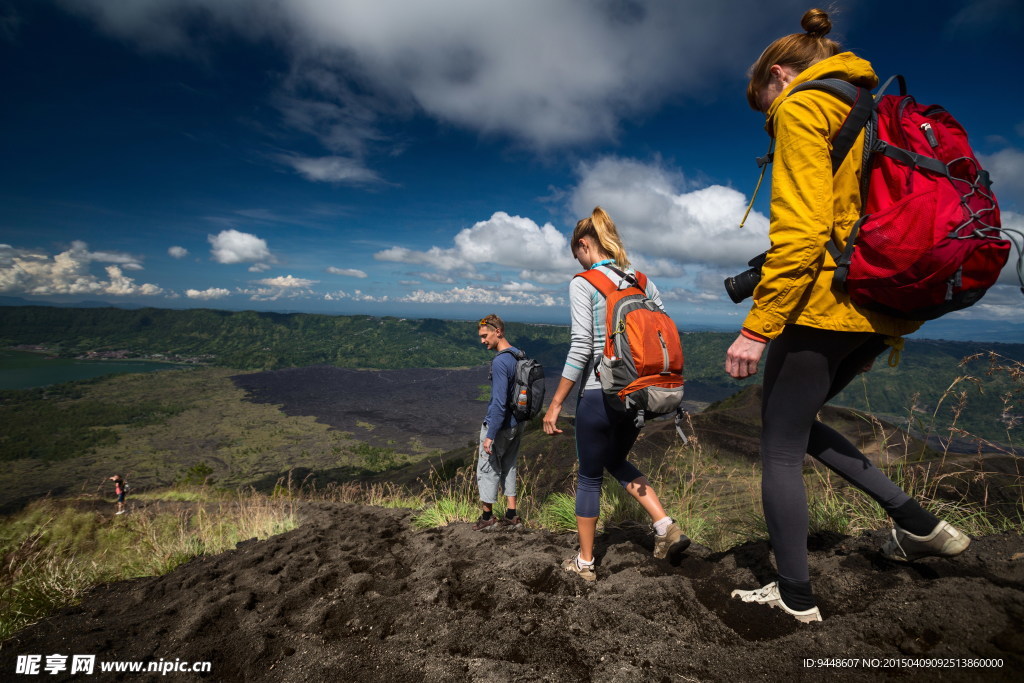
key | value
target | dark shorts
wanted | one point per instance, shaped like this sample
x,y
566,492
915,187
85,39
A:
x,y
120,498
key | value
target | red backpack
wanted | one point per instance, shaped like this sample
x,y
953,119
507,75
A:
x,y
642,361
930,240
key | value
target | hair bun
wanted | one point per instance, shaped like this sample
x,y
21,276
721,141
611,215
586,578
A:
x,y
816,23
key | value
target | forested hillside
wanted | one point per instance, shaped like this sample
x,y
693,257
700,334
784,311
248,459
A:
x,y
248,340
930,375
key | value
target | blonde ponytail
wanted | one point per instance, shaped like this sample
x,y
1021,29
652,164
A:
x,y
600,226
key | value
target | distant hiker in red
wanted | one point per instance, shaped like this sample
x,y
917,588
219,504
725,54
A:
x,y
120,489
500,433
819,340
605,431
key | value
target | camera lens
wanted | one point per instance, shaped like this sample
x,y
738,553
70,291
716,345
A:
x,y
741,286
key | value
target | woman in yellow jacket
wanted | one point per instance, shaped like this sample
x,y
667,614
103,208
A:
x,y
819,339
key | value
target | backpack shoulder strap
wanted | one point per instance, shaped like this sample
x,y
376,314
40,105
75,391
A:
x,y
861,116
862,106
601,282
518,354
490,368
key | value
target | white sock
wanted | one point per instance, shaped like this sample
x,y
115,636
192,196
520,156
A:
x,y
581,563
662,525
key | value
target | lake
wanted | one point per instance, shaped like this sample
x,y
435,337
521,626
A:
x,y
25,370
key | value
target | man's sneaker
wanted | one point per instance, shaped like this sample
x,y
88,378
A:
x,y
943,541
484,524
674,541
586,572
120,512
769,595
507,523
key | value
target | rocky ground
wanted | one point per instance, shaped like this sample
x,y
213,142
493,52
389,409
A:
x,y
358,594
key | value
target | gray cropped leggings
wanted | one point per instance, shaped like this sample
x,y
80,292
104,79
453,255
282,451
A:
x,y
804,369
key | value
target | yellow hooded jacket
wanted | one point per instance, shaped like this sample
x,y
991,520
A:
x,y
809,206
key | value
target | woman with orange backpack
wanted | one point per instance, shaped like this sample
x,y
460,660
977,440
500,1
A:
x,y
819,339
605,430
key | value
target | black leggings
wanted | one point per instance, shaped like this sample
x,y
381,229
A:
x,y
804,369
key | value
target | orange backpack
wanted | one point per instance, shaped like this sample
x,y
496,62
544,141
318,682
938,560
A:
x,y
642,361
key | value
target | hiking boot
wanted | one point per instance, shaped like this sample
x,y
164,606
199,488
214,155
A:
x,y
507,523
484,524
769,595
943,541
674,541
586,572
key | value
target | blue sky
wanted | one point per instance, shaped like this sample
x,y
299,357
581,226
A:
x,y
429,159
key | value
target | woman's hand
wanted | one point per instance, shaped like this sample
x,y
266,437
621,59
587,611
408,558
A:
x,y
551,417
743,356
561,393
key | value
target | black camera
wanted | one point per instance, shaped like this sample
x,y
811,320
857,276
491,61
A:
x,y
741,286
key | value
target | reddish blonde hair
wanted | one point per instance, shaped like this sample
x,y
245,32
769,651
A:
x,y
797,50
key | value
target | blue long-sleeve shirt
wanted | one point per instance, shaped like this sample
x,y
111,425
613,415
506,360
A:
x,y
503,373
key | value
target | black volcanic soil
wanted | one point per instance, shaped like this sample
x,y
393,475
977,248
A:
x,y
440,408
357,594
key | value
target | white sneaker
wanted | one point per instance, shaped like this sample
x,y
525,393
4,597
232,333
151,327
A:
x,y
943,541
769,595
120,512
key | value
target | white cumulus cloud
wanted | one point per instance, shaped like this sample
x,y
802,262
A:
x,y
206,294
502,240
177,252
482,295
356,295
1014,223
37,273
286,281
1007,170
233,246
347,272
281,287
661,221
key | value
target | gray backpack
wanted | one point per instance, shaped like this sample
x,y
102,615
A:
x,y
527,390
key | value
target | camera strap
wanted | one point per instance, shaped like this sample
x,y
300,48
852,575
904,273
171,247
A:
x,y
762,163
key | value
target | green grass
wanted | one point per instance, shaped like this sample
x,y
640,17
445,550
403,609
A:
x,y
55,550
445,511
557,513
